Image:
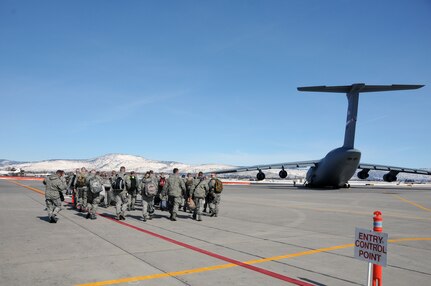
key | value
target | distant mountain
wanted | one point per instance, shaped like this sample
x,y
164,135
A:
x,y
6,163
110,162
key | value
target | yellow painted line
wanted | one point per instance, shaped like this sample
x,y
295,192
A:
x,y
28,187
308,252
159,275
413,203
409,239
390,214
230,265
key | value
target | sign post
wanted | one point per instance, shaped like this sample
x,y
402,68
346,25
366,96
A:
x,y
371,246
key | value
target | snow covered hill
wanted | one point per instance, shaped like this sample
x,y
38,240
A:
x,y
111,162
7,163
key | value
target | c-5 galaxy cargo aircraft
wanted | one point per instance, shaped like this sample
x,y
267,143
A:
x,y
340,164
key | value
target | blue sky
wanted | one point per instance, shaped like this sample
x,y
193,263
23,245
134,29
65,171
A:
x,y
212,81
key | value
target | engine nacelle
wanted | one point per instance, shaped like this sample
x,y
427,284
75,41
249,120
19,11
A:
x,y
389,177
282,174
363,174
260,176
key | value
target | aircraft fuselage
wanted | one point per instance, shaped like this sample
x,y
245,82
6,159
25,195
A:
x,y
335,169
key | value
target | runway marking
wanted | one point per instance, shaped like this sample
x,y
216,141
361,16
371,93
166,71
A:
x,y
413,203
394,215
212,254
28,187
231,265
196,249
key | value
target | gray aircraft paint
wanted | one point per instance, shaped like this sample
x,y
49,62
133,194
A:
x,y
340,164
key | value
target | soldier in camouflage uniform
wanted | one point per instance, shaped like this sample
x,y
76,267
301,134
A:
x,y
147,199
108,189
94,195
189,182
214,196
81,187
174,187
72,187
132,190
199,193
111,196
54,185
120,195
161,195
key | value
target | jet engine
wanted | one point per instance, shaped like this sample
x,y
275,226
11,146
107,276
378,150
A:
x,y
363,174
282,174
260,176
389,177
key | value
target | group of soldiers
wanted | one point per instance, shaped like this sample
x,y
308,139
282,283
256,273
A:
x,y
89,190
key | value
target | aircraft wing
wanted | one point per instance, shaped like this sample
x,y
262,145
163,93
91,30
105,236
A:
x,y
393,169
288,165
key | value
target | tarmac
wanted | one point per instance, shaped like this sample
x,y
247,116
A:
x,y
265,234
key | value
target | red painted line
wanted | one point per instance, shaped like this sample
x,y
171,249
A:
x,y
206,252
212,254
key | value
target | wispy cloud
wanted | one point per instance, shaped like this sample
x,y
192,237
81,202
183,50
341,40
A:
x,y
239,158
128,107
375,119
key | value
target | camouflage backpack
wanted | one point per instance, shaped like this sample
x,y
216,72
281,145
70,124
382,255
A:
x,y
80,182
96,186
218,186
150,189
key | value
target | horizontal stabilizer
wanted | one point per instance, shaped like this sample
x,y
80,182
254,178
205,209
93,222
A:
x,y
359,87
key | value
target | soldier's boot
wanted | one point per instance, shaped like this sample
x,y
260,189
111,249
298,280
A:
x,y
194,216
122,216
93,216
51,219
150,217
117,217
174,217
144,218
213,214
88,216
199,218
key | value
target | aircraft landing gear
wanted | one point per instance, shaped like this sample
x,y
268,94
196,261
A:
x,y
346,186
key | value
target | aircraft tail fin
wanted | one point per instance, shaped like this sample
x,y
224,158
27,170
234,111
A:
x,y
352,92
359,87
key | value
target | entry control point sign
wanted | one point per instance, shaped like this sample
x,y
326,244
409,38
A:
x,y
371,246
